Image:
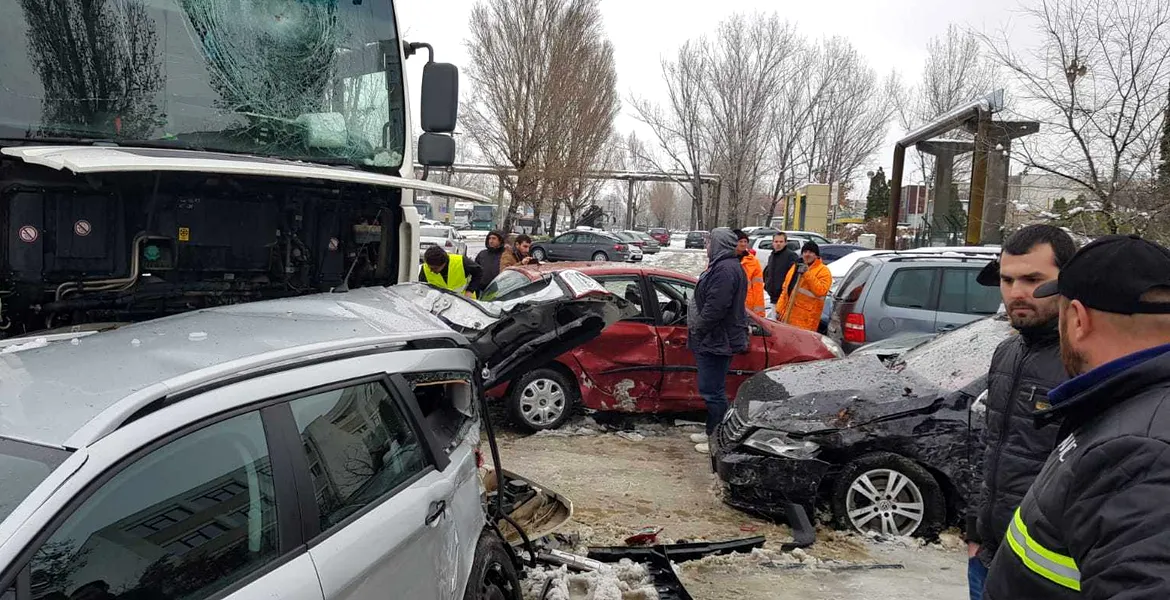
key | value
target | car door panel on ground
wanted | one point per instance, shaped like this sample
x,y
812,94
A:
x,y
680,375
625,365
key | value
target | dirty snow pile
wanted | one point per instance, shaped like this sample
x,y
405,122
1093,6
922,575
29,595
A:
x,y
625,580
759,557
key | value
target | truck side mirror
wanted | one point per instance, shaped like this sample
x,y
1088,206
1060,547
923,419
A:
x,y
440,112
440,97
436,150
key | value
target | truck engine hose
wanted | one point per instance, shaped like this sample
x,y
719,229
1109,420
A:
x,y
499,506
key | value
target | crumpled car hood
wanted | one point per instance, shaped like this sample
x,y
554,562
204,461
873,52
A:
x,y
828,395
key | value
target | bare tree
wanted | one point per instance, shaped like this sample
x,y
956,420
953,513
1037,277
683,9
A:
x,y
662,202
745,70
956,71
542,70
1097,85
680,126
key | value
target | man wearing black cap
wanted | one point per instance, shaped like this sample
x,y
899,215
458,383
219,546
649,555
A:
x,y
1095,522
1023,369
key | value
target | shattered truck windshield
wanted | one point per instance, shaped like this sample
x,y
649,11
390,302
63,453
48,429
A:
x,y
315,80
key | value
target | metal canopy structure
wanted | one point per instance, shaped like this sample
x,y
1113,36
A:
x,y
630,177
977,112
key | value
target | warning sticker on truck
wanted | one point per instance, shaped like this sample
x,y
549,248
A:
x,y
184,234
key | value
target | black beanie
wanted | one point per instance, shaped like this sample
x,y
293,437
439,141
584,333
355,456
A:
x,y
811,246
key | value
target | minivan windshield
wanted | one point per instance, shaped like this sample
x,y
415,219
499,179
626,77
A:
x,y
295,79
23,466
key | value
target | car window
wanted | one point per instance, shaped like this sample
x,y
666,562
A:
x,y
961,293
765,244
855,282
628,288
184,521
673,297
508,285
359,446
23,466
567,238
911,288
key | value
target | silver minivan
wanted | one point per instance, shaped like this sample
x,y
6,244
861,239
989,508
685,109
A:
x,y
316,448
909,293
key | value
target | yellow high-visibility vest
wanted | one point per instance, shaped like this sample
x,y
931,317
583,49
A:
x,y
456,281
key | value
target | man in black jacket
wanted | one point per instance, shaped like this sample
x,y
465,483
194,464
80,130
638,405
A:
x,y
717,326
779,262
1023,369
1094,523
488,259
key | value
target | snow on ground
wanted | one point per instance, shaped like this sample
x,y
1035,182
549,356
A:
x,y
624,581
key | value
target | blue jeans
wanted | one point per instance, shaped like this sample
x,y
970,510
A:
x,y
713,385
976,577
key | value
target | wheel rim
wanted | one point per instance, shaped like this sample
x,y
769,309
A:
x,y
884,501
542,401
495,584
599,257
538,254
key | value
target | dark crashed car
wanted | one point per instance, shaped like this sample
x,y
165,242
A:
x,y
886,446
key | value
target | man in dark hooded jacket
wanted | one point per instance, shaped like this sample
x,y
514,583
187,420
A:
x,y
1024,369
717,326
489,258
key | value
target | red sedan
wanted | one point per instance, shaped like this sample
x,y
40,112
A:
x,y
640,364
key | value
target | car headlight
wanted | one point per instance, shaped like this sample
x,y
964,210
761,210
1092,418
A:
x,y
832,346
778,443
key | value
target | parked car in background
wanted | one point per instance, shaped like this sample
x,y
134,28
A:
x,y
641,240
809,235
582,244
830,253
889,447
661,235
905,292
304,448
443,236
697,239
641,363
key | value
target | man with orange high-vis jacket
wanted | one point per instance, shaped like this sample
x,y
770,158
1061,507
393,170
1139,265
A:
x,y
810,293
754,272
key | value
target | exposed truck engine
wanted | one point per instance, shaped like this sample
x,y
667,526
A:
x,y
121,246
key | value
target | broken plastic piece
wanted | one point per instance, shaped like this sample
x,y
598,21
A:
x,y
646,535
677,552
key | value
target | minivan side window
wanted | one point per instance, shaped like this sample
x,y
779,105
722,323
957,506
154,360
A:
x,y
359,447
911,288
961,293
854,283
185,521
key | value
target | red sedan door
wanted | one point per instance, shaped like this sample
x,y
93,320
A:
x,y
623,366
680,386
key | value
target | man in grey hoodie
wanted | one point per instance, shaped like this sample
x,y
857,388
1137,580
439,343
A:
x,y
717,325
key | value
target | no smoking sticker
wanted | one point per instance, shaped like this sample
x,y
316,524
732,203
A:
x,y
333,244
29,234
82,228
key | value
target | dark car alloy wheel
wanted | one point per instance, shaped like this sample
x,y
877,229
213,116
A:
x,y
889,494
542,399
493,576
538,253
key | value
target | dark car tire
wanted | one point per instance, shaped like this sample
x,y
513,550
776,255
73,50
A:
x,y
603,257
540,381
493,575
538,254
933,502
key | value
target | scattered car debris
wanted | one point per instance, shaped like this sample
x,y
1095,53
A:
x,y
681,552
644,536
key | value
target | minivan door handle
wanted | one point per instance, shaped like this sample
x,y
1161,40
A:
x,y
437,509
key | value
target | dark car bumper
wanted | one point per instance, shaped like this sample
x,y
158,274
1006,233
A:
x,y
765,484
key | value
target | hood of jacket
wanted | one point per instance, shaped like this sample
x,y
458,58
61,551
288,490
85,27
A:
x,y
722,245
499,236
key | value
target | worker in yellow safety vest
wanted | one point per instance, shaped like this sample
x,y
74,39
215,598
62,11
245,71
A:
x,y
450,271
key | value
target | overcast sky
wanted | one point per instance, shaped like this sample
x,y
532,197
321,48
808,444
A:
x,y
643,31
